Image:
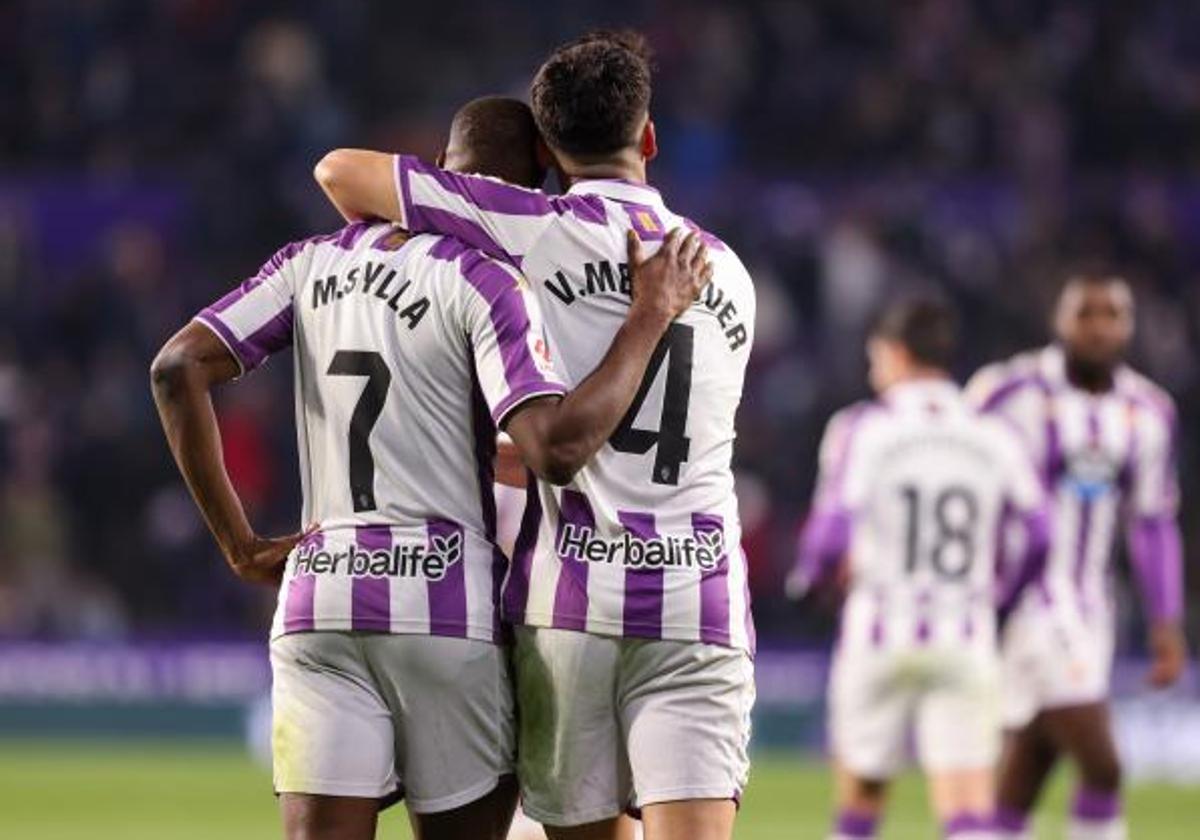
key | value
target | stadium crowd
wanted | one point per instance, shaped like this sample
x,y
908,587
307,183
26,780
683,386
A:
x,y
154,154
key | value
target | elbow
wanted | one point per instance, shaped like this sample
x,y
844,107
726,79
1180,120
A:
x,y
171,372
330,170
167,372
559,465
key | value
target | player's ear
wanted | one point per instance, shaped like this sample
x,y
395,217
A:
x,y
649,143
543,155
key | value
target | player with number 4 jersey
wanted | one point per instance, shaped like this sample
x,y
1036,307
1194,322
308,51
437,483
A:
x,y
629,584
916,487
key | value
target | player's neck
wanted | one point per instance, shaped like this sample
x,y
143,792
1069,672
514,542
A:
x,y
625,165
1087,377
922,376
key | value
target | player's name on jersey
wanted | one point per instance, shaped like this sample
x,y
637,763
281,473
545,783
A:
x,y
402,560
375,281
702,551
600,278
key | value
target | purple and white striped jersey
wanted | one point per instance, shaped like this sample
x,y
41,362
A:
x,y
646,541
917,488
409,352
1108,461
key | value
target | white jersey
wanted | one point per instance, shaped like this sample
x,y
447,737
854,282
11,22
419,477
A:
x,y
1107,460
409,352
645,541
927,485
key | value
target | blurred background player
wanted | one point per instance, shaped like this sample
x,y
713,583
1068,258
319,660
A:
x,y
914,488
1104,438
410,352
629,587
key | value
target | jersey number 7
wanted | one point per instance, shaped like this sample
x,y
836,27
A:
x,y
366,413
671,438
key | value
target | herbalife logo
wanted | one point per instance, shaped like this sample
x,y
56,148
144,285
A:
x,y
702,550
402,560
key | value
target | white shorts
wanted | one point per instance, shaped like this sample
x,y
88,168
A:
x,y
373,714
608,724
1053,659
946,699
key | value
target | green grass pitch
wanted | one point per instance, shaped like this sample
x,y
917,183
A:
x,y
181,791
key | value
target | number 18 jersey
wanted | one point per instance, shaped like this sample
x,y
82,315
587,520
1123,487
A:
x,y
645,542
927,483
409,352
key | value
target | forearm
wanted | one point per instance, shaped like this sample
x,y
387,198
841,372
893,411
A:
x,y
1156,554
557,439
190,424
823,542
509,469
360,184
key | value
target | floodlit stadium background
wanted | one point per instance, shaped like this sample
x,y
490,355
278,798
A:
x,y
153,154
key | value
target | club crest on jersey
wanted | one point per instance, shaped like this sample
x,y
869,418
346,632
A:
x,y
1090,472
401,560
703,550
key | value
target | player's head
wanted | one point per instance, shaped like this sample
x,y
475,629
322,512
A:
x,y
911,339
1094,322
591,100
496,136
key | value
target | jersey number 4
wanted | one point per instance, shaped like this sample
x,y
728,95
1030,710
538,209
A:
x,y
362,421
670,438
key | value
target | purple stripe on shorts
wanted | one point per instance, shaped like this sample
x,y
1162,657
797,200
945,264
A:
x,y
1096,805
571,592
643,587
301,589
448,596
371,597
714,585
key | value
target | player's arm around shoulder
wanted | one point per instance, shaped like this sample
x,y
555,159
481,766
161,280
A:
x,y
557,437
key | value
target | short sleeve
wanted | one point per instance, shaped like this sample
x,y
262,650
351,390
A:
x,y
255,319
1155,483
839,477
504,324
498,218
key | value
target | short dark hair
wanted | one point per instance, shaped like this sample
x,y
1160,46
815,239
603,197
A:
x,y
590,96
495,135
926,327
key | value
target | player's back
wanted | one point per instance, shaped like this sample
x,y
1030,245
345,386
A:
x,y
640,543
408,352
928,481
